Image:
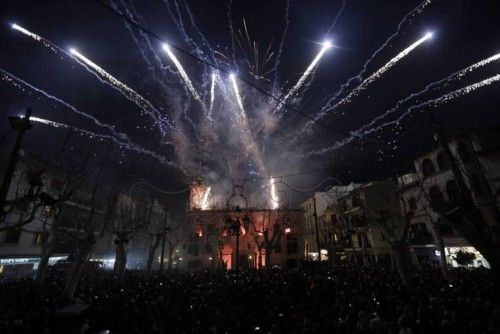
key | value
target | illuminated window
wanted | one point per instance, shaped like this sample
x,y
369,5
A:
x,y
37,238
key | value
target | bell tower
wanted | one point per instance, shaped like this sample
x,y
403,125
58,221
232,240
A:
x,y
197,194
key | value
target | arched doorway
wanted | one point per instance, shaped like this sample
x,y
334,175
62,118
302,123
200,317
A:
x,y
226,256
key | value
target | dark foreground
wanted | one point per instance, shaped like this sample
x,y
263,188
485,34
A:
x,y
343,300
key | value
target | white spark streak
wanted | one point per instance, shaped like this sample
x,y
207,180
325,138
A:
x,y
126,91
237,93
26,32
204,202
359,77
326,45
377,74
212,93
90,66
20,84
454,76
434,102
38,38
274,197
93,135
184,75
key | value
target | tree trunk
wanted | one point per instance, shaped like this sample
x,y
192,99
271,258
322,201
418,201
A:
x,y
41,271
76,269
171,250
268,258
120,259
47,248
440,246
259,260
363,249
151,253
402,257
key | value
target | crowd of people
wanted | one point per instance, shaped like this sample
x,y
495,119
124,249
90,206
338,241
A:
x,y
340,300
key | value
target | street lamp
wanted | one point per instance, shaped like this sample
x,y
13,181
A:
x,y
20,124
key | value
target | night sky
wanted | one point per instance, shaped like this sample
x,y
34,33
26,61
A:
x,y
464,33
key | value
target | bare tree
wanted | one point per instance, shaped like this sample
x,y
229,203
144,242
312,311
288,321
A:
x,y
430,212
173,239
88,228
52,232
132,215
267,234
155,228
393,219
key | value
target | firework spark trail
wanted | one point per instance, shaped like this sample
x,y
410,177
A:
x,y
125,90
203,39
248,140
239,100
212,94
129,93
437,84
48,44
326,45
274,197
334,23
377,74
184,76
280,48
135,16
179,23
231,30
92,135
19,83
434,102
204,202
359,77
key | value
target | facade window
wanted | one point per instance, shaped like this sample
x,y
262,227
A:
x,y
419,234
292,246
436,197
445,229
12,237
277,247
192,249
56,184
428,167
37,238
452,191
334,219
412,203
463,152
211,231
478,186
442,161
356,201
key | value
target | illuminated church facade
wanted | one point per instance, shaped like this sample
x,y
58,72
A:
x,y
240,236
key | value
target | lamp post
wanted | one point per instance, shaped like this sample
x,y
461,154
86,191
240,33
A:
x,y
20,124
236,231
